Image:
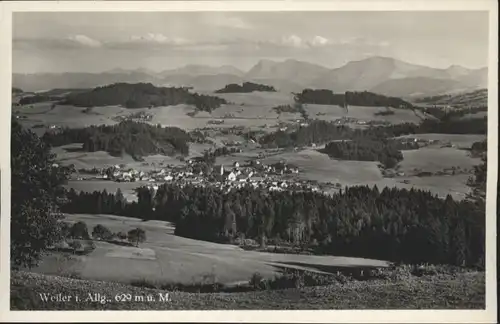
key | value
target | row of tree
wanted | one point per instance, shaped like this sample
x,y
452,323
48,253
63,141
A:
x,y
134,138
353,98
245,88
141,95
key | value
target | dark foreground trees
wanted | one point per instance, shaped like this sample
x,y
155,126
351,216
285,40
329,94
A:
x,y
410,226
36,193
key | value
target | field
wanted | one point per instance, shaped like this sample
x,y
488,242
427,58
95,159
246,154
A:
x,y
433,159
72,154
255,111
332,112
460,141
317,166
165,257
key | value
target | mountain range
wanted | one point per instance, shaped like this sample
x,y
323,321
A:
x,y
383,75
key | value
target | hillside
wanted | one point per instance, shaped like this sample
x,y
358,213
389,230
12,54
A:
x,y
415,86
427,292
47,81
141,95
136,139
365,98
300,72
478,98
397,78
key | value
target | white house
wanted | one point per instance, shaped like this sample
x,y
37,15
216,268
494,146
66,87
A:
x,y
231,176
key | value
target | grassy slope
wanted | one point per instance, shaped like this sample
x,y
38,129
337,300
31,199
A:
x,y
464,290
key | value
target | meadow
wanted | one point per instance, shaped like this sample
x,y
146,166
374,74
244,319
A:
x,y
332,112
459,140
166,258
433,159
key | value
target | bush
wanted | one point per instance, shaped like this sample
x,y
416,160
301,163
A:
x,y
76,245
143,283
122,235
79,230
256,281
137,235
101,232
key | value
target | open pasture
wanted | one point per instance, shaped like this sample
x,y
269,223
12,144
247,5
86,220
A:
x,y
73,154
433,159
182,260
463,141
333,112
70,116
455,186
317,166
257,99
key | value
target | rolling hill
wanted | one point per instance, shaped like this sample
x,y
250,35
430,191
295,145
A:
x,y
478,98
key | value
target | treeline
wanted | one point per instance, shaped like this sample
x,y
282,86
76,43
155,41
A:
x,y
100,202
365,150
36,98
134,138
444,114
319,131
210,156
245,87
433,98
141,95
410,226
365,98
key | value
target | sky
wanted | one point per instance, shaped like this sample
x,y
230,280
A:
x,y
101,41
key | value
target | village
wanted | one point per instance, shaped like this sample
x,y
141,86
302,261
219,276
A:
x,y
254,174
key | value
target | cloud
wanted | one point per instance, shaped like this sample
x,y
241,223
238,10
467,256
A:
x,y
319,41
84,41
223,20
292,40
298,42
159,39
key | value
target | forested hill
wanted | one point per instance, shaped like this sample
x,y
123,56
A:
x,y
141,95
365,98
136,139
245,87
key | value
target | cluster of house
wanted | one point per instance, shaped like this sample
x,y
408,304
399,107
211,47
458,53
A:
x,y
348,120
139,116
255,174
411,140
